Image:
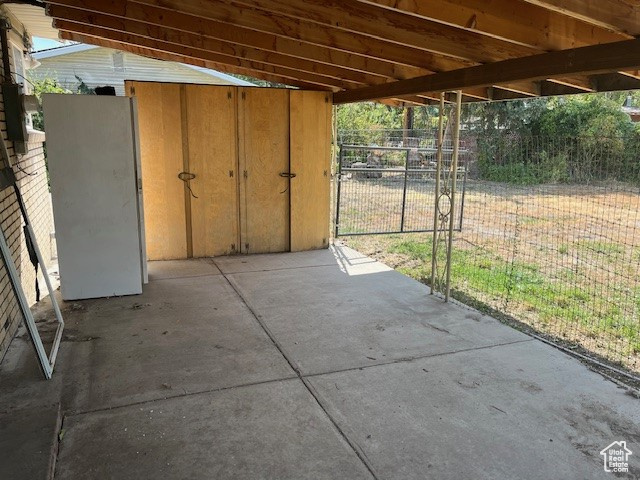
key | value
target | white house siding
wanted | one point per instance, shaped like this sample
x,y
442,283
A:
x,y
96,67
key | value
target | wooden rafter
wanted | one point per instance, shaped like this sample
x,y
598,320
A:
x,y
513,21
160,55
620,16
592,59
197,46
393,26
155,21
400,28
237,35
323,76
279,25
276,77
184,52
404,50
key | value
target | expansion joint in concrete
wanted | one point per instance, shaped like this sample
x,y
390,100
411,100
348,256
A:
x,y
312,391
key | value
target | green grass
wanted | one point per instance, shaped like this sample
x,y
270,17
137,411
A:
x,y
554,303
607,248
527,220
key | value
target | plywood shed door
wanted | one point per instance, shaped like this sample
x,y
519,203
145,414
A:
x,y
160,126
212,157
310,143
263,122
240,147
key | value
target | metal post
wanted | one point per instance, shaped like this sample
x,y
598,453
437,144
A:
x,y
404,191
334,158
454,169
339,180
437,192
464,190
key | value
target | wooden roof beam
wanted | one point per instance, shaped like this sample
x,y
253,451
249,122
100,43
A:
x,y
393,26
181,15
282,26
610,82
161,55
223,67
279,22
592,59
511,20
240,36
308,71
402,28
221,59
81,21
514,21
617,15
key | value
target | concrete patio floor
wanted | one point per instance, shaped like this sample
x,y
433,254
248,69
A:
x,y
318,365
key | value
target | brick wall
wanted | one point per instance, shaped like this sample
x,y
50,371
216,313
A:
x,y
35,193
32,181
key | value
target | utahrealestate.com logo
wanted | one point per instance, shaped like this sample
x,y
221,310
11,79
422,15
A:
x,y
616,457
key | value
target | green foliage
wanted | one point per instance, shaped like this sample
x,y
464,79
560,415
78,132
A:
x,y
581,138
581,115
83,88
374,117
46,85
498,118
368,116
578,139
258,82
545,169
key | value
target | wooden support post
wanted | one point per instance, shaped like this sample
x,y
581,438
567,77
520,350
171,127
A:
x,y
185,167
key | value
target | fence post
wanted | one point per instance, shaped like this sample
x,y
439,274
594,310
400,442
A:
x,y
339,180
334,169
404,190
454,176
434,250
464,189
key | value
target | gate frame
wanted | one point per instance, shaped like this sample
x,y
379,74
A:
x,y
406,170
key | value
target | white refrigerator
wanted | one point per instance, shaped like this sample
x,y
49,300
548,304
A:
x,y
93,156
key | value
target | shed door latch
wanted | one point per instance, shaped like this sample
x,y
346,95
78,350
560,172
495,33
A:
x,y
288,175
186,177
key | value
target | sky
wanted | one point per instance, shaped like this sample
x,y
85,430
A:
x,y
44,43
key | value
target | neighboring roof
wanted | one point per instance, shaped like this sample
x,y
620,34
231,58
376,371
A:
x,y
62,50
81,47
221,76
372,49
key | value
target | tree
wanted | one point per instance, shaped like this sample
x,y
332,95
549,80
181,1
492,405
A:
x,y
83,88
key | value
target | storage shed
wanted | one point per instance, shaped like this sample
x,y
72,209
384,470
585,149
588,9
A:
x,y
233,169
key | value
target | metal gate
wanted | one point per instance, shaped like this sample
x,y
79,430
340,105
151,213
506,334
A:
x,y
391,189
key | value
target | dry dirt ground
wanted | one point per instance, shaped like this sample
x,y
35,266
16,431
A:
x,y
563,259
